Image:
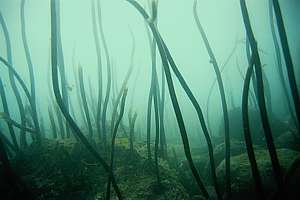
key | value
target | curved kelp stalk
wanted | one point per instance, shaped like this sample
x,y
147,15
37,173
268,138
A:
x,y
247,132
132,120
288,58
61,65
113,140
154,91
99,65
279,63
223,101
108,71
31,73
16,92
173,96
60,102
261,99
6,111
84,101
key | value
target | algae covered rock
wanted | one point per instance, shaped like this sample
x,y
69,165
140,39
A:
x,y
241,177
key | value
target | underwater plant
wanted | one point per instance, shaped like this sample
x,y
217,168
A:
x,y
261,98
113,141
288,59
247,132
6,111
52,123
223,101
108,71
173,96
279,64
132,120
84,101
31,73
99,65
12,82
60,102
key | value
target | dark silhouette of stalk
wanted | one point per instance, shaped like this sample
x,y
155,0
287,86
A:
x,y
247,132
16,124
61,65
52,123
60,122
31,73
84,101
288,59
148,128
163,140
279,63
173,96
12,82
223,101
60,102
99,64
108,69
261,99
92,101
132,120
154,89
113,140
6,111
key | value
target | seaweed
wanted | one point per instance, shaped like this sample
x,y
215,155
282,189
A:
x,y
288,59
60,102
52,123
99,65
109,73
261,98
84,101
279,63
132,120
247,132
113,140
6,111
31,73
223,101
173,96
12,82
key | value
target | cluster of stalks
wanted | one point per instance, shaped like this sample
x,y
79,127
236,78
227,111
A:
x,y
95,111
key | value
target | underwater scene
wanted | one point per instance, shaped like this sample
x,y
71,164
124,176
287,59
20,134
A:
x,y
149,99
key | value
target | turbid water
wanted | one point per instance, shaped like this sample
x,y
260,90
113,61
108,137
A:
x,y
149,99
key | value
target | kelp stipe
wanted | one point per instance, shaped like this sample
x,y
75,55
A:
x,y
288,58
113,140
6,111
99,67
84,101
261,98
16,92
61,66
108,71
52,123
132,120
173,96
280,66
60,102
223,101
31,73
247,132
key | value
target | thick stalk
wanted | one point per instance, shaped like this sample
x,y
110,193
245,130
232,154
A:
x,y
261,98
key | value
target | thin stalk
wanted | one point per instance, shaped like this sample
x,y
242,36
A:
x,y
60,102
31,73
223,101
84,101
113,140
52,123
